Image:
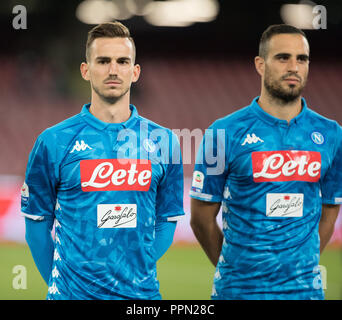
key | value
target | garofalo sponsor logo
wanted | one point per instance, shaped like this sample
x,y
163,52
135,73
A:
x,y
284,204
117,215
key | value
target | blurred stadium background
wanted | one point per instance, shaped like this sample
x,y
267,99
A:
x,y
197,65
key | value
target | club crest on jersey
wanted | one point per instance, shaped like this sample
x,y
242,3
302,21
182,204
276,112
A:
x,y
149,145
251,139
317,137
286,165
115,175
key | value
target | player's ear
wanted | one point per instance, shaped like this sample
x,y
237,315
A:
x,y
259,65
136,72
85,71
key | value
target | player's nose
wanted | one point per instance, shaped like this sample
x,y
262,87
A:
x,y
113,68
292,65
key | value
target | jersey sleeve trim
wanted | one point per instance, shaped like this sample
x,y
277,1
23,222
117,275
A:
x,y
204,196
338,200
334,201
172,217
175,218
31,216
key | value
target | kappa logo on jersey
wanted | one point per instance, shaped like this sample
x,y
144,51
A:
x,y
115,175
53,289
251,139
290,165
80,146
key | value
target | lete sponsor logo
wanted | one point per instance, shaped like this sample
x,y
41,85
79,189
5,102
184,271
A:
x,y
115,175
289,165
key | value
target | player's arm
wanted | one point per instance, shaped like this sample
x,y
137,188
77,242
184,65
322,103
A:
x,y
331,188
204,225
165,231
38,203
327,223
39,239
169,200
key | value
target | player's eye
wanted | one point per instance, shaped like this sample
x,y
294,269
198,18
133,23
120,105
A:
x,y
283,58
303,58
123,61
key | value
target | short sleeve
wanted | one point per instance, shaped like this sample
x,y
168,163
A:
x,y
169,206
331,185
211,166
38,194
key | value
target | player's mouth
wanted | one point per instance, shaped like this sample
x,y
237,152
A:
x,y
112,83
292,80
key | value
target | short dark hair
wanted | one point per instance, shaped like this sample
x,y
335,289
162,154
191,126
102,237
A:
x,y
108,30
272,31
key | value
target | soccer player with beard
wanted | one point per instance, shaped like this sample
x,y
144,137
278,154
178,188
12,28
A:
x,y
280,187
111,180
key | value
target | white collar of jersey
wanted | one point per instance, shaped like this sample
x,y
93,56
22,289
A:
x,y
98,124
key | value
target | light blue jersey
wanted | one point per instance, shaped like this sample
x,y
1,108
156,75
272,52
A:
x,y
106,185
272,179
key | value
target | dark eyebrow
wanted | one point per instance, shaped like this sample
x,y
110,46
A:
x,y
124,59
282,55
107,59
304,57
100,58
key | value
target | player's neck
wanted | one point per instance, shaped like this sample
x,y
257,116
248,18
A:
x,y
280,109
110,112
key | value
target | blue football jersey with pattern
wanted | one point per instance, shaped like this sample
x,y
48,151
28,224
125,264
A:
x,y
106,185
272,178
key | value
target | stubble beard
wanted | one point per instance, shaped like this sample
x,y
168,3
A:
x,y
278,92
